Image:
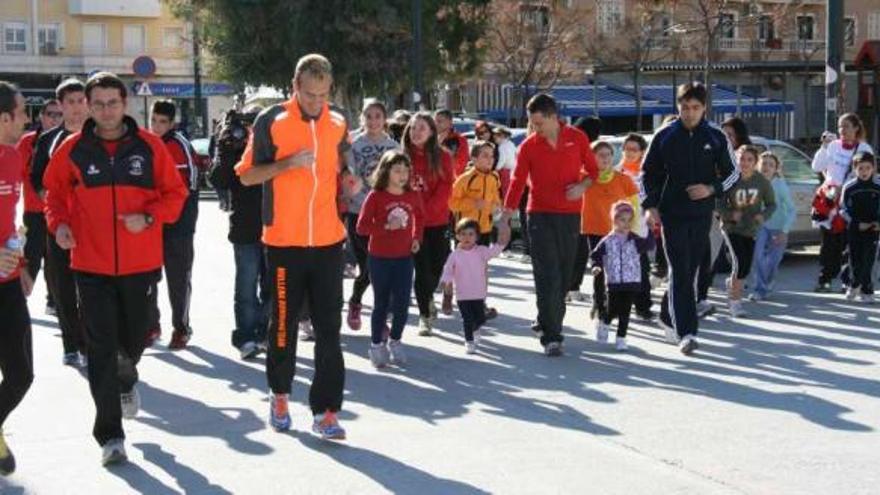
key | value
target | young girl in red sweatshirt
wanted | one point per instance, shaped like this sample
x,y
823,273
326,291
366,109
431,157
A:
x,y
393,219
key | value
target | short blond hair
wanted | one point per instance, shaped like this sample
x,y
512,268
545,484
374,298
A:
x,y
315,65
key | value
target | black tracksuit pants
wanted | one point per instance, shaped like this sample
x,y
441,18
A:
x,y
429,263
178,255
831,255
685,241
359,245
63,287
16,348
312,275
35,248
553,239
862,255
115,310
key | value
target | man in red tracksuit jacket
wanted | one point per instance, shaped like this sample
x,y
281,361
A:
x,y
110,189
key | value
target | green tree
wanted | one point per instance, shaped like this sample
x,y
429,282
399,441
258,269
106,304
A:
x,y
255,42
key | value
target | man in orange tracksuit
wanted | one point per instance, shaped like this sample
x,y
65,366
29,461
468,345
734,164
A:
x,y
297,150
110,188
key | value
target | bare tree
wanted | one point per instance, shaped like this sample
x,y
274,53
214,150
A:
x,y
640,38
533,45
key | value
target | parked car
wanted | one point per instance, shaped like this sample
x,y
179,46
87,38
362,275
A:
x,y
798,172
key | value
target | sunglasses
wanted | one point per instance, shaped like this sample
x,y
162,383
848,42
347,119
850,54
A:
x,y
54,115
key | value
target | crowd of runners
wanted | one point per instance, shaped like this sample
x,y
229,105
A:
x,y
401,203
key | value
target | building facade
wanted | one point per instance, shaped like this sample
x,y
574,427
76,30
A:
x,y
45,41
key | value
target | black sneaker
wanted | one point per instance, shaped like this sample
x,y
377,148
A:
x,y
822,287
688,345
647,315
553,349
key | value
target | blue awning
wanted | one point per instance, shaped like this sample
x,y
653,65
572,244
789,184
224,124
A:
x,y
620,101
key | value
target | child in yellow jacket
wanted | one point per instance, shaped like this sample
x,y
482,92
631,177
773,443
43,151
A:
x,y
477,192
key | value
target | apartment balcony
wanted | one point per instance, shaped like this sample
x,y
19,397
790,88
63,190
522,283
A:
x,y
86,62
116,8
805,46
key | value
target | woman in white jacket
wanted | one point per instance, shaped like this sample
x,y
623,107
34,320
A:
x,y
833,160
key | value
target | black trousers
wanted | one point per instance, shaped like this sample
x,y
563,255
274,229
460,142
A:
x,y
473,313
620,305
524,221
115,310
581,260
359,245
16,348
35,248
685,241
554,239
299,274
862,255
429,263
178,256
831,255
63,287
642,299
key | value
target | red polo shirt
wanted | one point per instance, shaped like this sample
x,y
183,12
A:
x,y
548,171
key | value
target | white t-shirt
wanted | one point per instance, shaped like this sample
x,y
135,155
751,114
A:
x,y
835,162
506,156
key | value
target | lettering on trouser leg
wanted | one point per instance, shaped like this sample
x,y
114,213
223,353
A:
x,y
281,303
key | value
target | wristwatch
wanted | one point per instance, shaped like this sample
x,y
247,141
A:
x,y
149,219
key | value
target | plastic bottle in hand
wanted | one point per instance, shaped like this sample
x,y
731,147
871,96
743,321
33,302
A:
x,y
15,243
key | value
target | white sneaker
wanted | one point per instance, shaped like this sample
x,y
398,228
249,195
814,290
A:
x,y
113,452
601,332
755,297
248,350
852,293
398,355
669,332
131,403
736,310
379,356
620,344
688,345
704,308
470,347
306,332
425,327
867,298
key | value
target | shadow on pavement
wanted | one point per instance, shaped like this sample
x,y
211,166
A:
x,y
393,475
139,480
189,480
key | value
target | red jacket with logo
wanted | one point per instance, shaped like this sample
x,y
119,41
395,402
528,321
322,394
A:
x,y
89,188
433,188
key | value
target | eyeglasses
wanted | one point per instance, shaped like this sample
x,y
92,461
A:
x,y
101,105
54,115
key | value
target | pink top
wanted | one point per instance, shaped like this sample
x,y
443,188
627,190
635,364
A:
x,y
466,269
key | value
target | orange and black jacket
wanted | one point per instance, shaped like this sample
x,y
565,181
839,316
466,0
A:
x,y
89,188
300,205
471,186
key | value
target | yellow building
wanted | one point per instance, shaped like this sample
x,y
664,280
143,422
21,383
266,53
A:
x,y
44,41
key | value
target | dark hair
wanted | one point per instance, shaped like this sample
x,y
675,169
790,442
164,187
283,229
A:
x,y
166,108
748,148
602,144
68,86
740,131
863,156
694,90
444,112
432,147
107,80
374,103
48,104
636,138
592,126
8,93
383,169
856,121
478,145
467,224
542,103
769,155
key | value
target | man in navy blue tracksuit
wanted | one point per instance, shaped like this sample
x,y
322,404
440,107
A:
x,y
688,164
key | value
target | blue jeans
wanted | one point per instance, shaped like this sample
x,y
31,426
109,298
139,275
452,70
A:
x,y
768,255
251,294
392,280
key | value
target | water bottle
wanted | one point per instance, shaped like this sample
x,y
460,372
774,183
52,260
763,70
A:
x,y
14,243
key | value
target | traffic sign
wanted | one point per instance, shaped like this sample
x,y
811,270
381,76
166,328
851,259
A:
x,y
144,89
144,67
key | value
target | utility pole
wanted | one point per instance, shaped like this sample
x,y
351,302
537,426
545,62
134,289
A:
x,y
200,109
417,95
834,63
